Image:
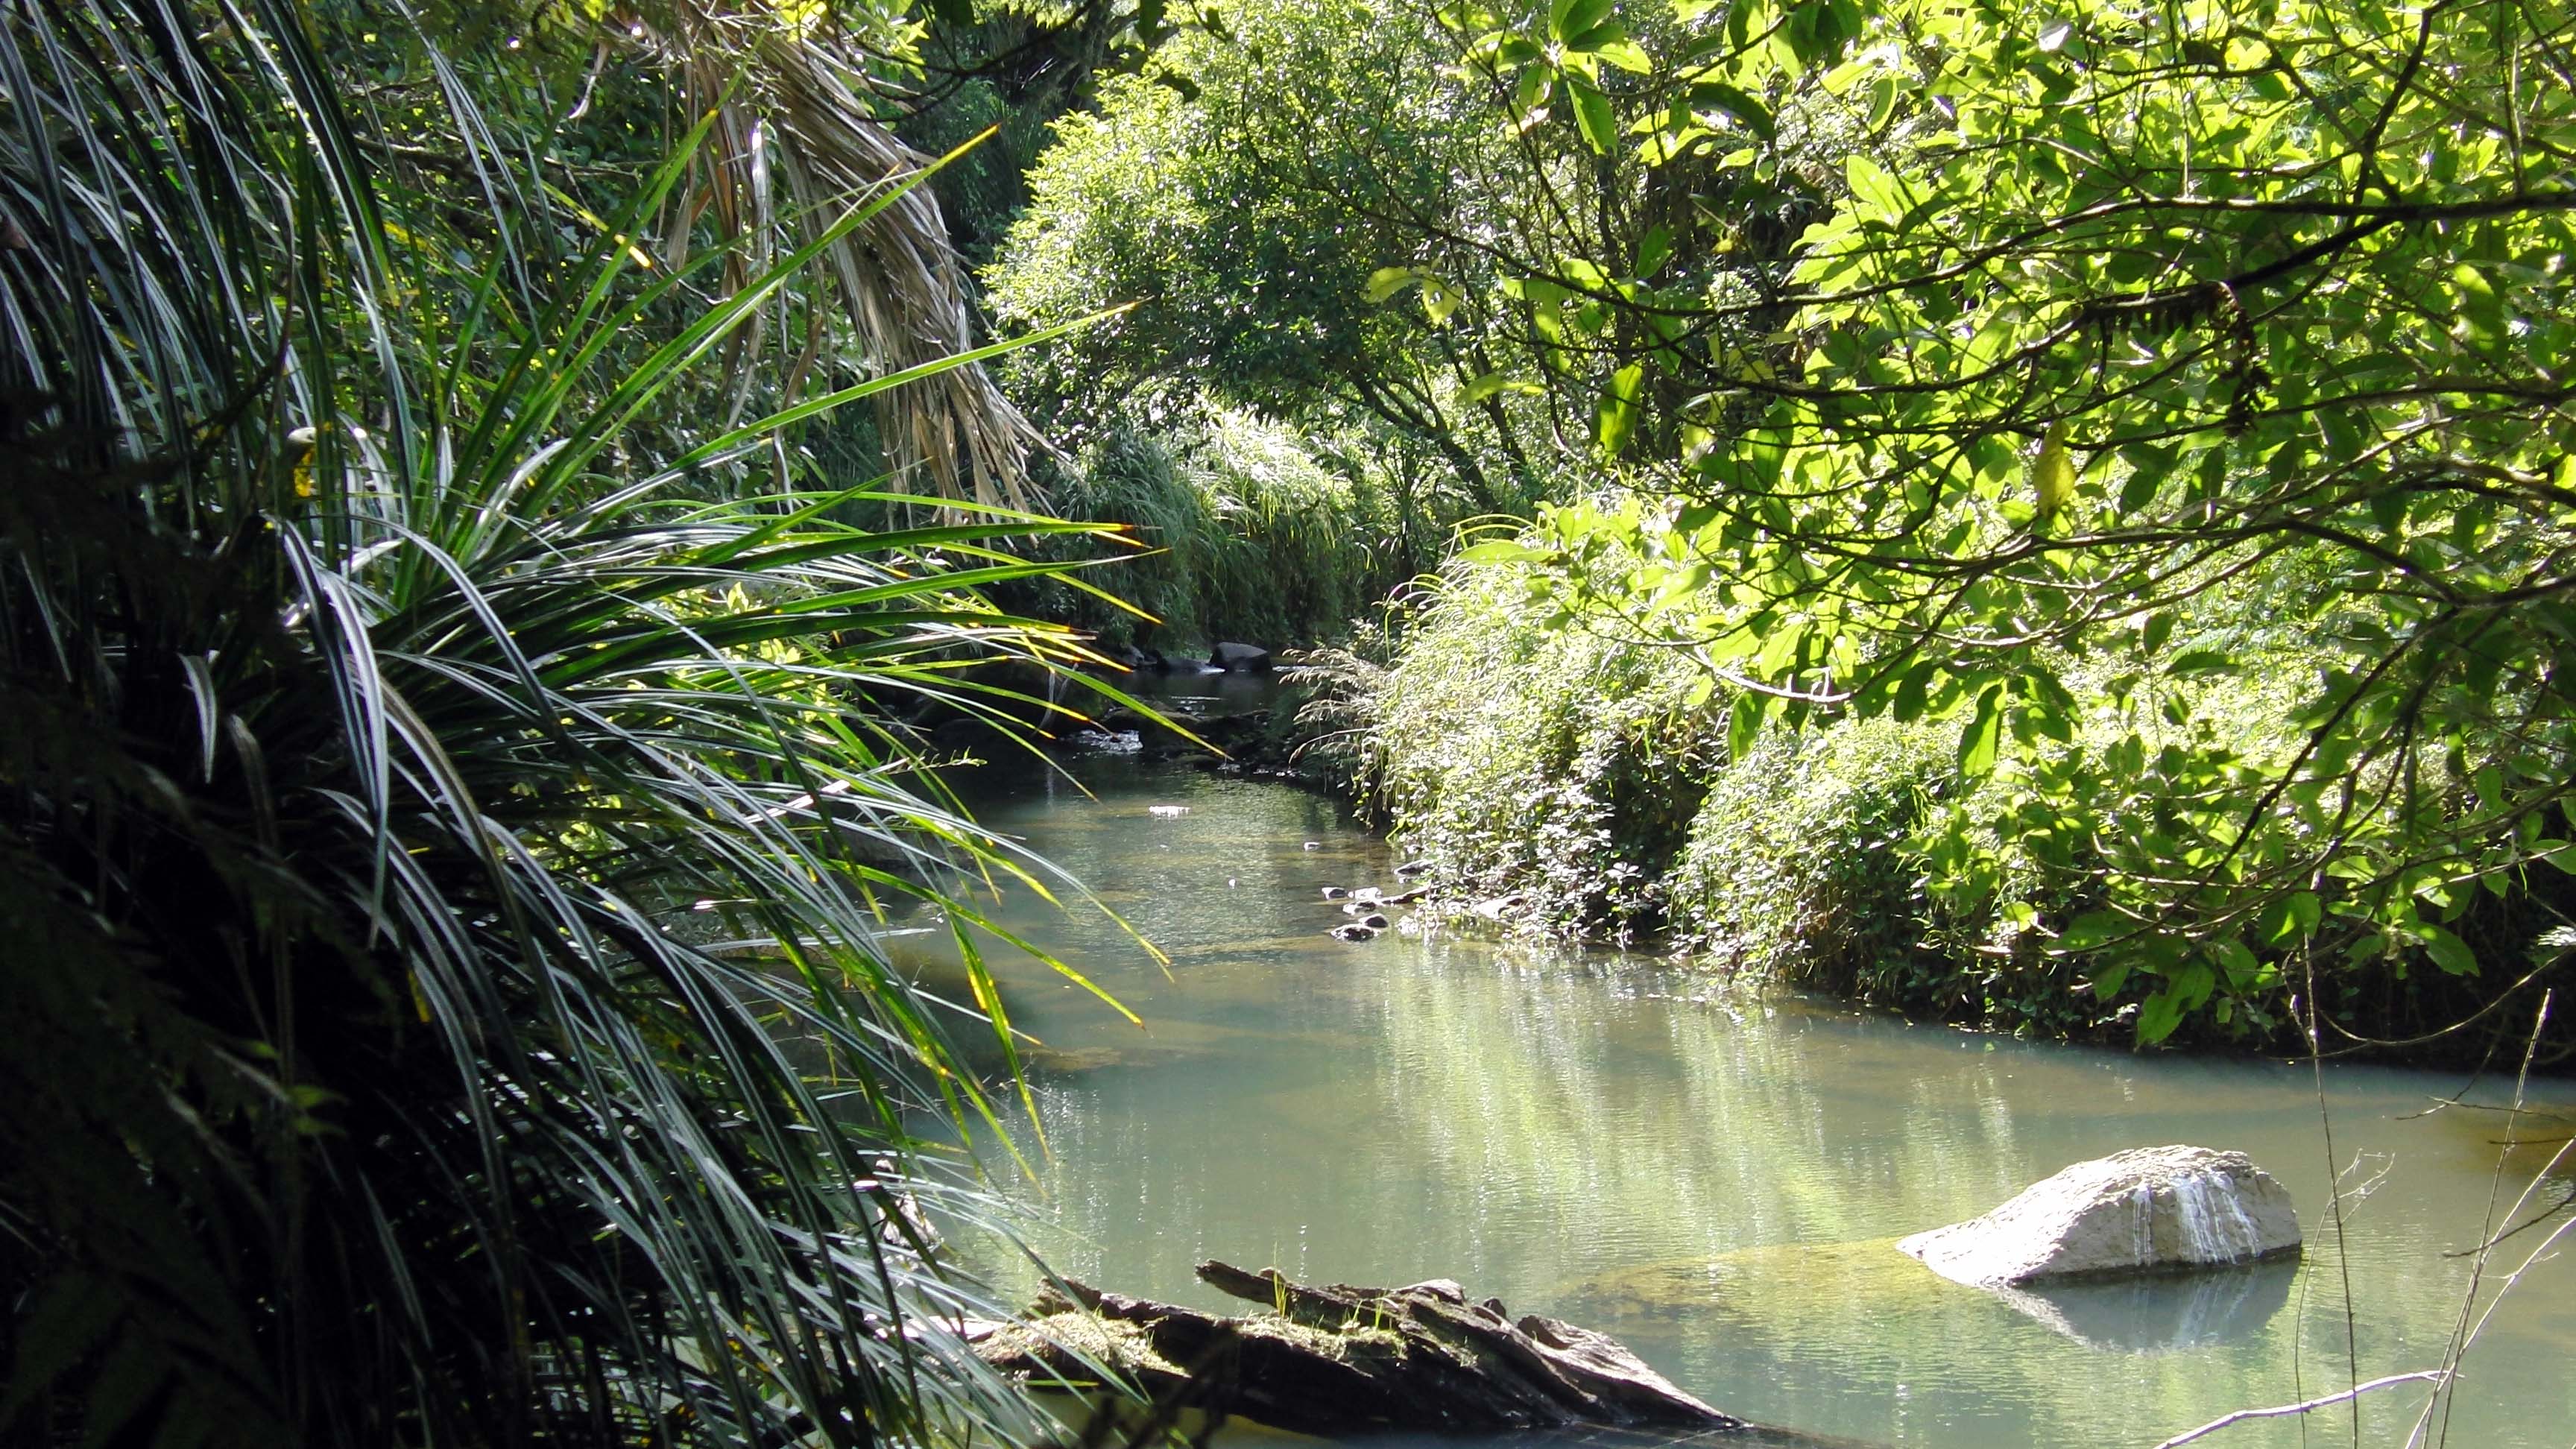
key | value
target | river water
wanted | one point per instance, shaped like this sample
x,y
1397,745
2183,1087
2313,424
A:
x,y
1710,1174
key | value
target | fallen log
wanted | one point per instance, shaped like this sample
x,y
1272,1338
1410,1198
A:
x,y
1338,1360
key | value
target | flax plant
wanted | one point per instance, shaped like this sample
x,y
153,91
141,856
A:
x,y
374,718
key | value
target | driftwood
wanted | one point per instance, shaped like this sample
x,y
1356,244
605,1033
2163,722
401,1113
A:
x,y
1340,1360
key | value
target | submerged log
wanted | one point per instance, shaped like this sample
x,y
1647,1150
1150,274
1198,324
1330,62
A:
x,y
1339,1360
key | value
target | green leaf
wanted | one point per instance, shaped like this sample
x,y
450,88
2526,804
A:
x,y
2052,474
1874,189
1743,725
1593,113
1530,91
1653,250
1747,112
1984,733
1567,19
2297,917
1625,54
2449,952
1617,421
2147,470
1502,552
1882,102
2093,930
1440,301
1913,693
2202,661
2158,1015
2481,307
1385,282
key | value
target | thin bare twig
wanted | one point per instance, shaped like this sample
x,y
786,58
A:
x,y
2465,1332
2280,1411
2334,1188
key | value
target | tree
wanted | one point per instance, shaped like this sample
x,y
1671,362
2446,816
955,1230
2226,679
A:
x,y
2140,348
1273,178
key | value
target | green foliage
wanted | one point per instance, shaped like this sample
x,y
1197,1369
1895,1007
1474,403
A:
x,y
2112,321
1536,756
1335,696
1239,530
1551,762
2163,407
1798,866
441,846
1245,190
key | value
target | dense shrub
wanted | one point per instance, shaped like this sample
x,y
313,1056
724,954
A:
x,y
1812,862
1588,774
1547,761
1244,532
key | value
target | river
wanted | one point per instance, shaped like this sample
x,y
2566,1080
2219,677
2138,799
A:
x,y
1709,1173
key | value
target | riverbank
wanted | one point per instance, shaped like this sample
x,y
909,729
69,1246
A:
x,y
1605,789
1563,789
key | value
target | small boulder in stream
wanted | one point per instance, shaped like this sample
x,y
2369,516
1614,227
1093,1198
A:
x,y
1239,658
2145,1210
1338,1361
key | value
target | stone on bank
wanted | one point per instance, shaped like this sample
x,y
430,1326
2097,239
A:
x,y
2146,1210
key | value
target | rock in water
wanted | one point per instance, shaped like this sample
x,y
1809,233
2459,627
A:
x,y
1239,659
2144,1210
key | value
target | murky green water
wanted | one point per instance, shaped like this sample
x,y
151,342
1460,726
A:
x,y
1709,1175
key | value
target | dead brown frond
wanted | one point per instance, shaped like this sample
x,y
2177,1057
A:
x,y
799,109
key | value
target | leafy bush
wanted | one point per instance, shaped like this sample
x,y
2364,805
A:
x,y
1798,863
1244,531
1530,757
1590,770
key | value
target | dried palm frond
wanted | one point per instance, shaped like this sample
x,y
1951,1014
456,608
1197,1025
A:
x,y
796,104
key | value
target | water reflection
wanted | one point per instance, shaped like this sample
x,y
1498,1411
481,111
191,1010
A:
x,y
1714,1177
2163,1314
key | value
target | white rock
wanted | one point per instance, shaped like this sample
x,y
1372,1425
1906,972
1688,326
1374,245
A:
x,y
2141,1210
